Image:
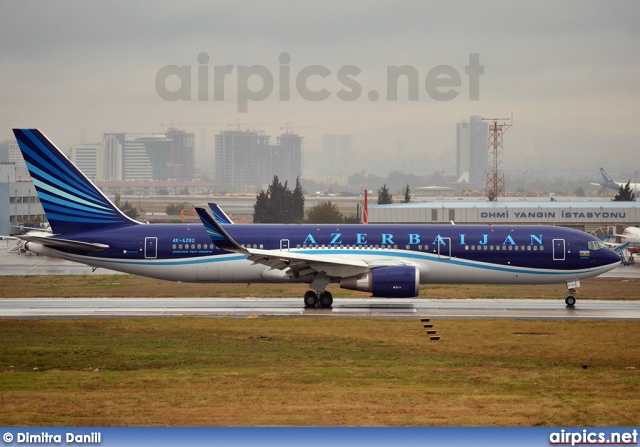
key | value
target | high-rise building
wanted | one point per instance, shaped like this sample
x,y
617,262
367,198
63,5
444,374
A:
x,y
181,165
89,158
113,150
337,151
286,159
246,160
472,149
148,156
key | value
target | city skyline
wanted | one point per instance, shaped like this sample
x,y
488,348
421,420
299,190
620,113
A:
x,y
316,170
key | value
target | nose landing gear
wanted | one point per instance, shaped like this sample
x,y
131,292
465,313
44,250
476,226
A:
x,y
570,300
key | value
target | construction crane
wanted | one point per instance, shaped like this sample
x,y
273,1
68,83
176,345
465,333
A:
x,y
288,128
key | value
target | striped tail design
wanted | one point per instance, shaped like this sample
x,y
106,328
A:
x,y
220,216
71,202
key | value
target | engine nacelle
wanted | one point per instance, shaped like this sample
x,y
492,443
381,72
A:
x,y
394,281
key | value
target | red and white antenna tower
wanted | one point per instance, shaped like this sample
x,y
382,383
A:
x,y
495,175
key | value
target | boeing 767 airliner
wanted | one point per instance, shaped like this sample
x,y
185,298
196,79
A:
x,y
386,260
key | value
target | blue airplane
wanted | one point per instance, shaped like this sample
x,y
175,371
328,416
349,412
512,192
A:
x,y
386,260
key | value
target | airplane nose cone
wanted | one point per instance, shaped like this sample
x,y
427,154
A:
x,y
608,257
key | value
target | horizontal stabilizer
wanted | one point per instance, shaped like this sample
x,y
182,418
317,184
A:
x,y
48,241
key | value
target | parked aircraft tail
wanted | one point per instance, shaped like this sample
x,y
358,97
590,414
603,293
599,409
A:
x,y
464,178
608,181
70,201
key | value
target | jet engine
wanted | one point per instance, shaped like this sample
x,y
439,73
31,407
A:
x,y
394,281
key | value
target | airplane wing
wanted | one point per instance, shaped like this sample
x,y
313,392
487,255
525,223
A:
x,y
8,238
296,264
47,240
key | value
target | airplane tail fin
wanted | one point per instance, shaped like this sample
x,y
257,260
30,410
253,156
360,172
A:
x,y
608,181
464,178
70,201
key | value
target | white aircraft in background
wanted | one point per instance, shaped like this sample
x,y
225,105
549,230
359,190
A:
x,y
629,241
609,182
631,235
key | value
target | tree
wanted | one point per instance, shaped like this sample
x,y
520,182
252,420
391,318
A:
x,y
126,208
625,194
261,210
323,213
279,204
407,195
384,197
175,208
297,202
580,192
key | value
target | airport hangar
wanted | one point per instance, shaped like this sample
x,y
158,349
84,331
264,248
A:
x,y
606,216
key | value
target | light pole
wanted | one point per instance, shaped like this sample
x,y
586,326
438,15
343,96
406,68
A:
x,y
524,193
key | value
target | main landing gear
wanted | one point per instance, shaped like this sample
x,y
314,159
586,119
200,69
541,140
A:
x,y
312,299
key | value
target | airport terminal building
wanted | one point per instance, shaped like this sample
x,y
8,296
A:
x,y
582,215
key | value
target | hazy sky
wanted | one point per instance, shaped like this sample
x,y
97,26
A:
x,y
568,70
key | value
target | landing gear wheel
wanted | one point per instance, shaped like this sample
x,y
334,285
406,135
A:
x,y
310,299
570,301
326,299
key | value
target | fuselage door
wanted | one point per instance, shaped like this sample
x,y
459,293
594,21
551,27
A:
x,y
284,244
444,248
558,250
151,247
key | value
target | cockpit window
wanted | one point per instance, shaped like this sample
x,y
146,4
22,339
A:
x,y
596,245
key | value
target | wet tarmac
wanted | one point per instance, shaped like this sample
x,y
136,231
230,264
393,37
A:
x,y
342,308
